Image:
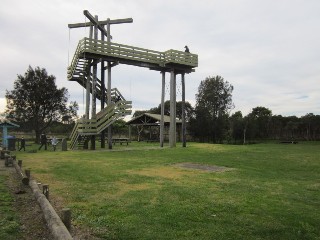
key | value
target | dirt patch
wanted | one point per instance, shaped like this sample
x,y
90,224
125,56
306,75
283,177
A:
x,y
33,225
207,168
164,172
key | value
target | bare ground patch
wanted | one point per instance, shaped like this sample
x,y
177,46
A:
x,y
202,167
162,171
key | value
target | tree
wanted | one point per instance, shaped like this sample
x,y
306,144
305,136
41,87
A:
x,y
188,109
261,117
157,110
237,125
214,101
36,101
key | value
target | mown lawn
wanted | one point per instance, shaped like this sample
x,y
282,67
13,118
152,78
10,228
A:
x,y
9,222
270,191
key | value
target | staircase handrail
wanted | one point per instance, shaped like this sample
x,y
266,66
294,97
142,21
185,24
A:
x,y
75,59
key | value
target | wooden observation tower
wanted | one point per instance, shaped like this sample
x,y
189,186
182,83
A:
x,y
92,51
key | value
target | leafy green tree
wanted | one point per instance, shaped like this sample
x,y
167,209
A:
x,y
157,110
237,124
200,124
36,102
310,126
188,109
292,127
261,118
214,101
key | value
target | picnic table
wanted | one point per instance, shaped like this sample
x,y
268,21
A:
x,y
290,142
120,140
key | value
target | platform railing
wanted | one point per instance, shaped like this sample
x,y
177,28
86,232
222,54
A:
x,y
121,51
116,50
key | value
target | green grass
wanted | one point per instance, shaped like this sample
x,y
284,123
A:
x,y
271,192
9,224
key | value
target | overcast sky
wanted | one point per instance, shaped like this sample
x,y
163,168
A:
x,y
267,49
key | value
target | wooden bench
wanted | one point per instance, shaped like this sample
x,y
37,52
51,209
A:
x,y
120,141
291,142
152,140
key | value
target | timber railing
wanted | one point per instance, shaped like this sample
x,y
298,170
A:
x,y
103,119
114,91
121,51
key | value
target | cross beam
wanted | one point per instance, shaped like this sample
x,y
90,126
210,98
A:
x,y
98,23
104,22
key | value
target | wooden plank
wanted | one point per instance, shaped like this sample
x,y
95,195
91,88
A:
x,y
104,22
95,22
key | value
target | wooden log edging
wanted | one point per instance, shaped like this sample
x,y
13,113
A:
x,y
23,176
55,225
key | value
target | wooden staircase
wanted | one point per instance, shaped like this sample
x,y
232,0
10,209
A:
x,y
119,107
106,117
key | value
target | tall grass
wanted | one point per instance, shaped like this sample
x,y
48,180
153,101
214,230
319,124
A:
x,y
271,191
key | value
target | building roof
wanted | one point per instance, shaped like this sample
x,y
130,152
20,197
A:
x,y
7,123
151,120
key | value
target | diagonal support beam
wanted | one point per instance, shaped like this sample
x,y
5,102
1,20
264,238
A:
x,y
95,22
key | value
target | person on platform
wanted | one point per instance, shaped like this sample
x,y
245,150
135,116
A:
x,y
187,49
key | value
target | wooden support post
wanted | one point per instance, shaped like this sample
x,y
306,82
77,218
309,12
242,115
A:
x,y
103,95
28,173
183,111
109,102
172,130
20,163
103,99
109,86
45,190
94,80
66,217
87,113
162,108
93,95
54,223
88,85
8,160
93,142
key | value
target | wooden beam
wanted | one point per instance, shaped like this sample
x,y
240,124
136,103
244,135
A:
x,y
172,129
105,22
95,22
162,108
183,90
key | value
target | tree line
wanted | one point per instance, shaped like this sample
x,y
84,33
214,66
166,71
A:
x,y
211,121
37,104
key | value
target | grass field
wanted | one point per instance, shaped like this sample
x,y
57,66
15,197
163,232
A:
x,y
9,223
269,191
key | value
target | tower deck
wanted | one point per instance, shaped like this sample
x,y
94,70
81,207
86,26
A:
x,y
125,54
